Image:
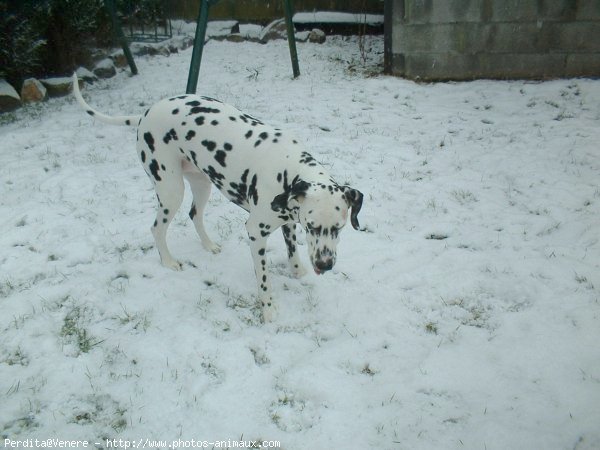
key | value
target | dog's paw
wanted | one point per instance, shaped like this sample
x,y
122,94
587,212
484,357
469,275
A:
x,y
298,271
173,265
211,247
269,310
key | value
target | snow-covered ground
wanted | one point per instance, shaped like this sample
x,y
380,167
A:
x,y
466,315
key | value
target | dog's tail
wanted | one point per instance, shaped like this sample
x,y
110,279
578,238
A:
x,y
113,120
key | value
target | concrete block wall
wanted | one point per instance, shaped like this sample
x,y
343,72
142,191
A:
x,y
468,39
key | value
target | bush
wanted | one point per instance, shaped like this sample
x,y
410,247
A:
x,y
21,45
48,36
43,37
70,29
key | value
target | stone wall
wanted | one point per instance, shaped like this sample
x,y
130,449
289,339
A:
x,y
467,39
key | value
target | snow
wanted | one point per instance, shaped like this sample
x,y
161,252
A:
x,y
466,315
337,17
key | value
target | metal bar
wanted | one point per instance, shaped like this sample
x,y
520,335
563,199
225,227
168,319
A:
x,y
389,11
110,4
192,82
289,13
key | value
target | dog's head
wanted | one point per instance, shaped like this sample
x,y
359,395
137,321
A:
x,y
322,210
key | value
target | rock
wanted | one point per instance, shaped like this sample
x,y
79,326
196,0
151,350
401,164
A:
x,y
235,38
105,69
119,59
86,75
302,36
221,28
182,42
275,30
316,36
59,86
251,32
33,91
9,99
152,50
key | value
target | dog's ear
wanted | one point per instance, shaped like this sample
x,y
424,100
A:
x,y
354,199
296,192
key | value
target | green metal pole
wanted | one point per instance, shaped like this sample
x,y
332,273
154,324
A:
x,y
110,4
198,45
289,13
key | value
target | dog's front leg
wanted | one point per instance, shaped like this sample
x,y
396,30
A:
x,y
258,234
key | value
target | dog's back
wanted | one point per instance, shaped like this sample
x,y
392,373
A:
x,y
223,143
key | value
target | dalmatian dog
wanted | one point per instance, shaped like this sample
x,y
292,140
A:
x,y
262,169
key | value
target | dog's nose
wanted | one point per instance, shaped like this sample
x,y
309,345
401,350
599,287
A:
x,y
324,264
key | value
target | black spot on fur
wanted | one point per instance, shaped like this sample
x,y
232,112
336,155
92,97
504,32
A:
x,y
193,153
252,193
199,120
162,166
264,135
154,170
289,241
149,141
257,143
306,158
210,99
193,211
261,252
216,177
215,122
143,156
220,156
190,134
204,109
210,145
248,135
128,122
175,111
239,191
291,190
90,112
181,97
193,103
171,134
227,146
233,119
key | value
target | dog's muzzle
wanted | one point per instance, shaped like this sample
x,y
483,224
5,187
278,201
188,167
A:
x,y
323,265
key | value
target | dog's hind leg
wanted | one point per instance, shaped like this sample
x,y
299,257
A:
x,y
200,185
169,192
